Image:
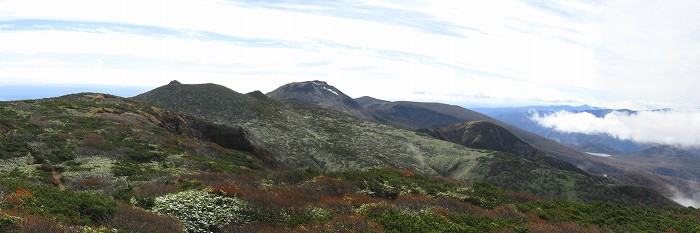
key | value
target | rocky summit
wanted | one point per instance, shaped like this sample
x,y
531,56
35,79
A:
x,y
321,94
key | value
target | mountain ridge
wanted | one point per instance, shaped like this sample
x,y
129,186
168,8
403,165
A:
x,y
487,135
91,161
416,115
303,136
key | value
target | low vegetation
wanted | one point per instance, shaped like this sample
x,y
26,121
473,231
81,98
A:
x,y
378,200
308,137
98,163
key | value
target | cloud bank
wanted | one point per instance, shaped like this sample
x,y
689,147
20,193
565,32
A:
x,y
672,127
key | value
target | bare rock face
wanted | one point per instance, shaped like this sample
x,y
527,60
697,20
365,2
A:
x,y
320,94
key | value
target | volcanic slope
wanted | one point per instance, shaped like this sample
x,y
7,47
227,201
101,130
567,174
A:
x,y
319,93
301,136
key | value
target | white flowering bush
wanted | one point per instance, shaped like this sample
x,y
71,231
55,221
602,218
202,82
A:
x,y
200,210
460,193
318,214
101,229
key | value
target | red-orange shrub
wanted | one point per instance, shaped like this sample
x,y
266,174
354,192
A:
x,y
328,186
348,223
93,182
54,181
63,136
294,198
168,143
216,147
256,227
93,140
212,179
189,145
336,204
441,211
229,191
357,200
408,173
247,179
37,223
79,132
414,202
563,227
15,212
521,197
4,130
154,190
506,212
458,206
443,179
17,198
132,219
46,167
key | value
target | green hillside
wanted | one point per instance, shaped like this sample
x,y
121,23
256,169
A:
x,y
111,141
307,137
99,163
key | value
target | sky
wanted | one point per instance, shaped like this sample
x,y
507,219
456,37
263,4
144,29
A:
x,y
631,54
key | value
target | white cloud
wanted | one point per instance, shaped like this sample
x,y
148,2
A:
x,y
672,127
512,51
686,199
649,51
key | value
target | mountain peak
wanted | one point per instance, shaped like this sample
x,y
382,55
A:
x,y
370,102
315,87
321,94
174,82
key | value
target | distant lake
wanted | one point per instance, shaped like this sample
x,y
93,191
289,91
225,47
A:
x,y
598,154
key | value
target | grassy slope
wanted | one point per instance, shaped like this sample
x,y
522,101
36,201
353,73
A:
x,y
437,115
310,137
307,137
100,142
96,146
